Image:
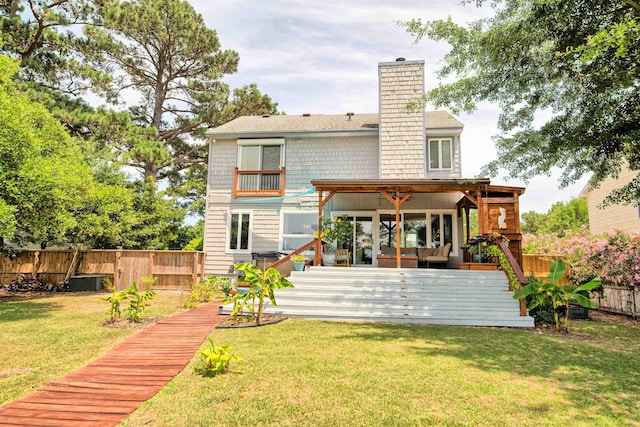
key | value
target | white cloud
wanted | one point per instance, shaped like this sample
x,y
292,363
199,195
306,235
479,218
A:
x,y
322,57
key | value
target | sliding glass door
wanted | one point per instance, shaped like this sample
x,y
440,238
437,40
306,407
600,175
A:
x,y
360,245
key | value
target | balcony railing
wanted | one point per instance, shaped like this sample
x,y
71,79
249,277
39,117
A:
x,y
258,183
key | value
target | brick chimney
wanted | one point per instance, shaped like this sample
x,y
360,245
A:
x,y
402,134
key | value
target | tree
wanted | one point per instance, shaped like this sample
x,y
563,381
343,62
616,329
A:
x,y
576,61
561,218
532,222
43,173
47,56
171,64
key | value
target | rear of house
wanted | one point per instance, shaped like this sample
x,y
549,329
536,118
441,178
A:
x,y
260,196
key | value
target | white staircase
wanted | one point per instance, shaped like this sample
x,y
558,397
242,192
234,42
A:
x,y
427,296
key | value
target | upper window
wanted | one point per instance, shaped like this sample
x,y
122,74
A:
x,y
260,170
440,153
239,232
260,154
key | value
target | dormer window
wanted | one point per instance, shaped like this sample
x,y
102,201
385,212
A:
x,y
440,153
260,168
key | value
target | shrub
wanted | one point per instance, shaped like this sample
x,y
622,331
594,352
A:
x,y
203,290
546,295
215,359
137,302
614,257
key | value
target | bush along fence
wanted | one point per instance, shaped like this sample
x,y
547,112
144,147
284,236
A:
x,y
172,269
613,257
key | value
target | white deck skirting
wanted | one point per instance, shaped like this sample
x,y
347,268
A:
x,y
422,296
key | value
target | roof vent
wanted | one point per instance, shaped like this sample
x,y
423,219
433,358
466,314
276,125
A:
x,y
350,115
306,114
401,59
266,115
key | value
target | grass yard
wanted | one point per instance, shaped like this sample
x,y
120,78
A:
x,y
44,338
310,373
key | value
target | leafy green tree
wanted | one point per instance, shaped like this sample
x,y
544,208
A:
x,y
575,62
167,60
560,219
532,222
43,173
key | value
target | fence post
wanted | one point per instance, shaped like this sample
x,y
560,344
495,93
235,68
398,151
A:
x,y
194,270
36,264
117,271
152,256
202,259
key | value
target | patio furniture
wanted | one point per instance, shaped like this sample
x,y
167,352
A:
x,y
439,255
342,258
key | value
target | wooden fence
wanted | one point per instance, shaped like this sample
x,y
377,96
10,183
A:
x,y
172,269
615,299
539,266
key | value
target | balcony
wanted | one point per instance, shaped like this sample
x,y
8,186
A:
x,y
258,183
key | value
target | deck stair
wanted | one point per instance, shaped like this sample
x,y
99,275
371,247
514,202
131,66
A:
x,y
427,296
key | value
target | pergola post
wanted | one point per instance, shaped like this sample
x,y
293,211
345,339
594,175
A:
x,y
397,201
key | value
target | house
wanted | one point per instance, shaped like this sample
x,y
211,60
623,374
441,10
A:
x,y
396,175
622,217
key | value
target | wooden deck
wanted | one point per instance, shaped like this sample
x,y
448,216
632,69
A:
x,y
107,390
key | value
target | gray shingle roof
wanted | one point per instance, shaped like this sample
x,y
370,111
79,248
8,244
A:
x,y
320,123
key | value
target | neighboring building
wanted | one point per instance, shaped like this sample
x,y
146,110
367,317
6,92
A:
x,y
622,217
260,195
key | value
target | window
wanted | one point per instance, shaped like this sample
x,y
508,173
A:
x,y
441,229
260,167
239,232
298,229
425,229
440,153
415,230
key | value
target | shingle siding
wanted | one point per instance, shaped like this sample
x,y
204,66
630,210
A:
x,y
402,133
622,217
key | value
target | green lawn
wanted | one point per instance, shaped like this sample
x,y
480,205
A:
x,y
301,373
44,338
310,373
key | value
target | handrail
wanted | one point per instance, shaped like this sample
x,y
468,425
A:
x,y
517,270
296,252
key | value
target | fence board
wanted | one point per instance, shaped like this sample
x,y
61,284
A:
x,y
619,299
172,269
539,266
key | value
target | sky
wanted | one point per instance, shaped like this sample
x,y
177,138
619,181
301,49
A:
x,y
322,58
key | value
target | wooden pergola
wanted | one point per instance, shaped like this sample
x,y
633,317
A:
x,y
498,209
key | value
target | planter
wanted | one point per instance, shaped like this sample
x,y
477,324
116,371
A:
x,y
298,265
328,259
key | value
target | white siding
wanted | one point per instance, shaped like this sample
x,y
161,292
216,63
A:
x,y
622,217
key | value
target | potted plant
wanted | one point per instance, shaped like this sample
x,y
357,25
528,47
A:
x,y
298,262
335,233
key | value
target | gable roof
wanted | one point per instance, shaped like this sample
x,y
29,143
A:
x,y
362,124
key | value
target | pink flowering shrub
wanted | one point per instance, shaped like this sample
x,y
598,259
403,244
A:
x,y
614,257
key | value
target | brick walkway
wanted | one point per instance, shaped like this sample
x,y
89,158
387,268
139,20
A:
x,y
107,390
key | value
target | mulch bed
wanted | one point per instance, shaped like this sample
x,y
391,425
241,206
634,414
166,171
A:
x,y
127,324
619,319
248,321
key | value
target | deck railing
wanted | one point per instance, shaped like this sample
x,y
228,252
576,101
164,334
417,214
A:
x,y
258,182
511,260
296,252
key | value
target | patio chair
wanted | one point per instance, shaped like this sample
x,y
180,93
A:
x,y
343,258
